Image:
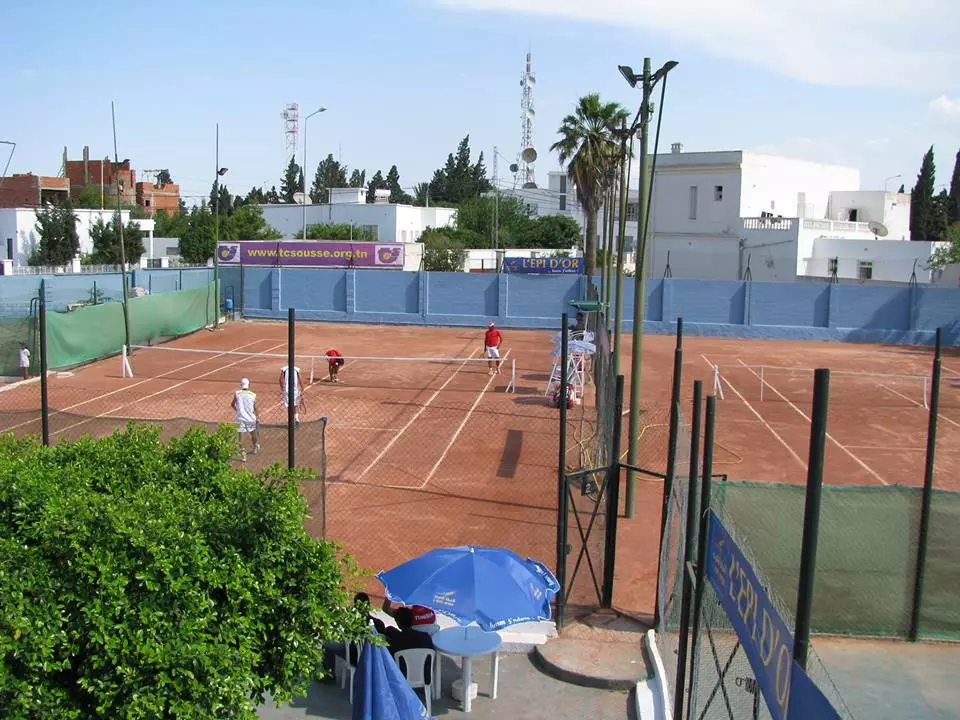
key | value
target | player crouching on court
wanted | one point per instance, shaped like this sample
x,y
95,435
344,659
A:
x,y
491,347
245,405
297,381
334,363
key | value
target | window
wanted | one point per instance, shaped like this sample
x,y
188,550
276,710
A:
x,y
718,193
633,212
563,203
832,266
853,214
9,248
865,270
692,213
563,183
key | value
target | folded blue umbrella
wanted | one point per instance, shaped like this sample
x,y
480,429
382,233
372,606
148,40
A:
x,y
493,587
380,691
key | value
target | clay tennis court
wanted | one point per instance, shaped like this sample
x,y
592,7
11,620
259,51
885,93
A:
x,y
425,453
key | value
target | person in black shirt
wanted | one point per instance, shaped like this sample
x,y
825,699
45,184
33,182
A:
x,y
406,638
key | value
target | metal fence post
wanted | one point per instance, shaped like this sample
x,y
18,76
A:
x,y
688,549
613,498
811,516
562,476
44,403
923,540
673,434
710,421
291,386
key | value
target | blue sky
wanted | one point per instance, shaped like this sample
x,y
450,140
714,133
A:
x,y
831,81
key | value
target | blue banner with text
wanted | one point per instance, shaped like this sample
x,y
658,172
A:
x,y
543,265
765,638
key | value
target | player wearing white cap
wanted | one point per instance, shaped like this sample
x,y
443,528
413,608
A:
x,y
245,405
298,403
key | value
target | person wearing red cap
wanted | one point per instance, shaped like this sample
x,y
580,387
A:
x,y
491,347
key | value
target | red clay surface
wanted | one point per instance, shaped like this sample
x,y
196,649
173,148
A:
x,y
430,454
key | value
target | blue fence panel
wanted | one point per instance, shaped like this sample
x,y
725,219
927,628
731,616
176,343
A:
x,y
705,301
313,290
17,291
540,296
939,307
872,308
474,294
257,288
63,290
387,291
794,304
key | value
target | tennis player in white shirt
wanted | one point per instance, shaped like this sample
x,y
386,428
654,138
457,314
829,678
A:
x,y
245,404
297,392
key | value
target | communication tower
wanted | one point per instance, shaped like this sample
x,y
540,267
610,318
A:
x,y
291,128
528,154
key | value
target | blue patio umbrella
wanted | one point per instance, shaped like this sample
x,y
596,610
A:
x,y
380,691
493,587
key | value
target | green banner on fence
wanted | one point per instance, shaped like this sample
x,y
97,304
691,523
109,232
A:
x,y
866,564
13,331
97,331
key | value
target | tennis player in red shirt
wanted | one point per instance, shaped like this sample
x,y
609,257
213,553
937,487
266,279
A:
x,y
334,363
491,346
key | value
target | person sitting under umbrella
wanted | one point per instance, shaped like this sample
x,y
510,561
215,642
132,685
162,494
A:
x,y
422,616
407,638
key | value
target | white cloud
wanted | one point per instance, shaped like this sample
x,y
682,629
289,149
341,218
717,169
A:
x,y
823,42
946,107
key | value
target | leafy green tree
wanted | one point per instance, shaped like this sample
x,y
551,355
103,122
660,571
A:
x,y
292,181
170,226
460,178
588,148
225,206
421,194
59,240
163,178
247,223
271,197
376,183
358,179
152,580
953,205
559,232
88,196
106,241
441,253
940,213
950,253
397,194
339,231
197,242
923,222
515,224
330,174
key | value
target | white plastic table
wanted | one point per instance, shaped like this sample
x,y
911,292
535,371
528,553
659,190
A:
x,y
468,643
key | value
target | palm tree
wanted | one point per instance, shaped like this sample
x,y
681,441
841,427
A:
x,y
588,147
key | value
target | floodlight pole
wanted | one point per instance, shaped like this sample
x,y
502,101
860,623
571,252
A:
x,y
621,239
304,203
216,233
648,80
119,221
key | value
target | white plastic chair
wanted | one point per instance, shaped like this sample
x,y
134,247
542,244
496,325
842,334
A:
x,y
344,668
414,664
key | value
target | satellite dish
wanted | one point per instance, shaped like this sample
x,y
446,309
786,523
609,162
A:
x,y
514,167
529,186
878,228
299,197
528,155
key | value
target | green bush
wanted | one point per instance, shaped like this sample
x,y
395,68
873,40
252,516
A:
x,y
147,580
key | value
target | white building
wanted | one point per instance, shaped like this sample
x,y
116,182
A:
x,y
734,214
348,206
18,233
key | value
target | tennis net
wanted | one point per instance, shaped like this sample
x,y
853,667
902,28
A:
x,y
230,366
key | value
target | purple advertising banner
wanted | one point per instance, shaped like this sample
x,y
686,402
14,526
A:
x,y
311,253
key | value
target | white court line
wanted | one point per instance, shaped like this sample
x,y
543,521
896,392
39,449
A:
x,y
759,417
128,387
463,424
830,437
413,419
910,399
160,392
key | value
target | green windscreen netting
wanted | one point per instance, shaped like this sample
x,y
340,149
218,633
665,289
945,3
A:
x,y
97,331
866,557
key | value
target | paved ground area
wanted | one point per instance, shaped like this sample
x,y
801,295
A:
x,y
896,680
524,692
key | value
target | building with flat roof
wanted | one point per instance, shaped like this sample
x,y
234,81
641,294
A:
x,y
29,190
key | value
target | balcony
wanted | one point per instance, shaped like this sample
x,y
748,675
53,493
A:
x,y
821,227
